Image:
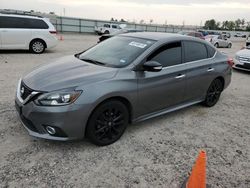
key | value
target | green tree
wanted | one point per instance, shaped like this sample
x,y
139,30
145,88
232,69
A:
x,y
211,24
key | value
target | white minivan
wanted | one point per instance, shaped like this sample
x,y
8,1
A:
x,y
32,33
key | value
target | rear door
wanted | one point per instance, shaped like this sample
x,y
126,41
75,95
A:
x,y
15,34
198,60
159,90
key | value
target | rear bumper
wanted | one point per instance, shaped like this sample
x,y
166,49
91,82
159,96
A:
x,y
69,121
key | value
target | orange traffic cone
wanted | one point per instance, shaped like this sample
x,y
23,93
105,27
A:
x,y
61,37
197,179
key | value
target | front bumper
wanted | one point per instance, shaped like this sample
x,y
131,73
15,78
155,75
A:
x,y
241,66
69,121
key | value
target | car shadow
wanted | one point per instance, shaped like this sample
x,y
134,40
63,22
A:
x,y
86,144
23,52
242,71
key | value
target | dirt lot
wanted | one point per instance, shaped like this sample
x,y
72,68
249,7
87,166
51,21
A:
x,y
156,153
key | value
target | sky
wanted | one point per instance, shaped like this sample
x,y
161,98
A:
x,y
189,12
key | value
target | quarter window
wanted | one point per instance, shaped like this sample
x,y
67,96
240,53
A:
x,y
194,51
167,55
211,51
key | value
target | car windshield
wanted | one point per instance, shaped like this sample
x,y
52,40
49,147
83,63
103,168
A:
x,y
118,51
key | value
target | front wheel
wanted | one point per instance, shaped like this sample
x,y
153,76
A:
x,y
229,45
107,123
213,93
216,45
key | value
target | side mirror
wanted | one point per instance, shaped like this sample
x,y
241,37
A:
x,y
152,66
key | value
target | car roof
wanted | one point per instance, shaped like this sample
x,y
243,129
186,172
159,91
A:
x,y
21,16
161,36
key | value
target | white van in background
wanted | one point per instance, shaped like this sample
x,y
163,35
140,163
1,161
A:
x,y
26,32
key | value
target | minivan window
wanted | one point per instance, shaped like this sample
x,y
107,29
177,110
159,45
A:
x,y
22,23
114,26
167,55
194,51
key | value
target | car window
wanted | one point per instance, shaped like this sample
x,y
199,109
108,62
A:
x,y
22,23
114,26
106,25
197,34
194,51
211,51
167,55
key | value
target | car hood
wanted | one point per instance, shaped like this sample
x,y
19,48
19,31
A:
x,y
244,53
66,72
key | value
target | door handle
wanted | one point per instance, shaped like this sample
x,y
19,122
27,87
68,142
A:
x,y
180,76
210,69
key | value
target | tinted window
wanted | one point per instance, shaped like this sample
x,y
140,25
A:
x,y
211,51
194,51
198,35
106,25
23,23
114,26
167,55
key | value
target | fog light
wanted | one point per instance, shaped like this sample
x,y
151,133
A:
x,y
50,130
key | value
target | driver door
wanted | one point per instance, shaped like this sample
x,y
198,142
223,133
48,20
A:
x,y
160,90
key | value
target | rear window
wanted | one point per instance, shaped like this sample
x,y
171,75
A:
x,y
194,51
22,23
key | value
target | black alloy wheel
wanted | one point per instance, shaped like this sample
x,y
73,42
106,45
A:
x,y
107,123
213,93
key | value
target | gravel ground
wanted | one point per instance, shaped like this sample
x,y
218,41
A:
x,y
156,153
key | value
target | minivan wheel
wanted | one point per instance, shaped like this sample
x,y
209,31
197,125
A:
x,y
216,45
229,45
37,46
107,123
213,93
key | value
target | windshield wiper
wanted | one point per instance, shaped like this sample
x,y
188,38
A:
x,y
93,61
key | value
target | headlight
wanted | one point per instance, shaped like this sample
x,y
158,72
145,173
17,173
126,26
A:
x,y
58,98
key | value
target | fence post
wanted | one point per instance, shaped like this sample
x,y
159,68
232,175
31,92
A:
x,y
80,26
61,24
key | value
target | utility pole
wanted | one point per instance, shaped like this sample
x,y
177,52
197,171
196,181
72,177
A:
x,y
64,12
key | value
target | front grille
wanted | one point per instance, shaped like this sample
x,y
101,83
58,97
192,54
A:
x,y
25,91
244,59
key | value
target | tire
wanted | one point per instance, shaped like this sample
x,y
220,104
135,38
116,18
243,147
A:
x,y
106,32
107,123
229,45
216,45
213,93
37,46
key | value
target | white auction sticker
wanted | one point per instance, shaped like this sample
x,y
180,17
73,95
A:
x,y
137,44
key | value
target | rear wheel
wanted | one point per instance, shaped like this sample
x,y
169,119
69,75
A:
x,y
107,123
213,93
37,46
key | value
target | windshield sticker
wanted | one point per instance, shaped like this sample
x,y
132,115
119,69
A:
x,y
137,44
122,61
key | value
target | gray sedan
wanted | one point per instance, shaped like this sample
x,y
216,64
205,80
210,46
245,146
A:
x,y
128,78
